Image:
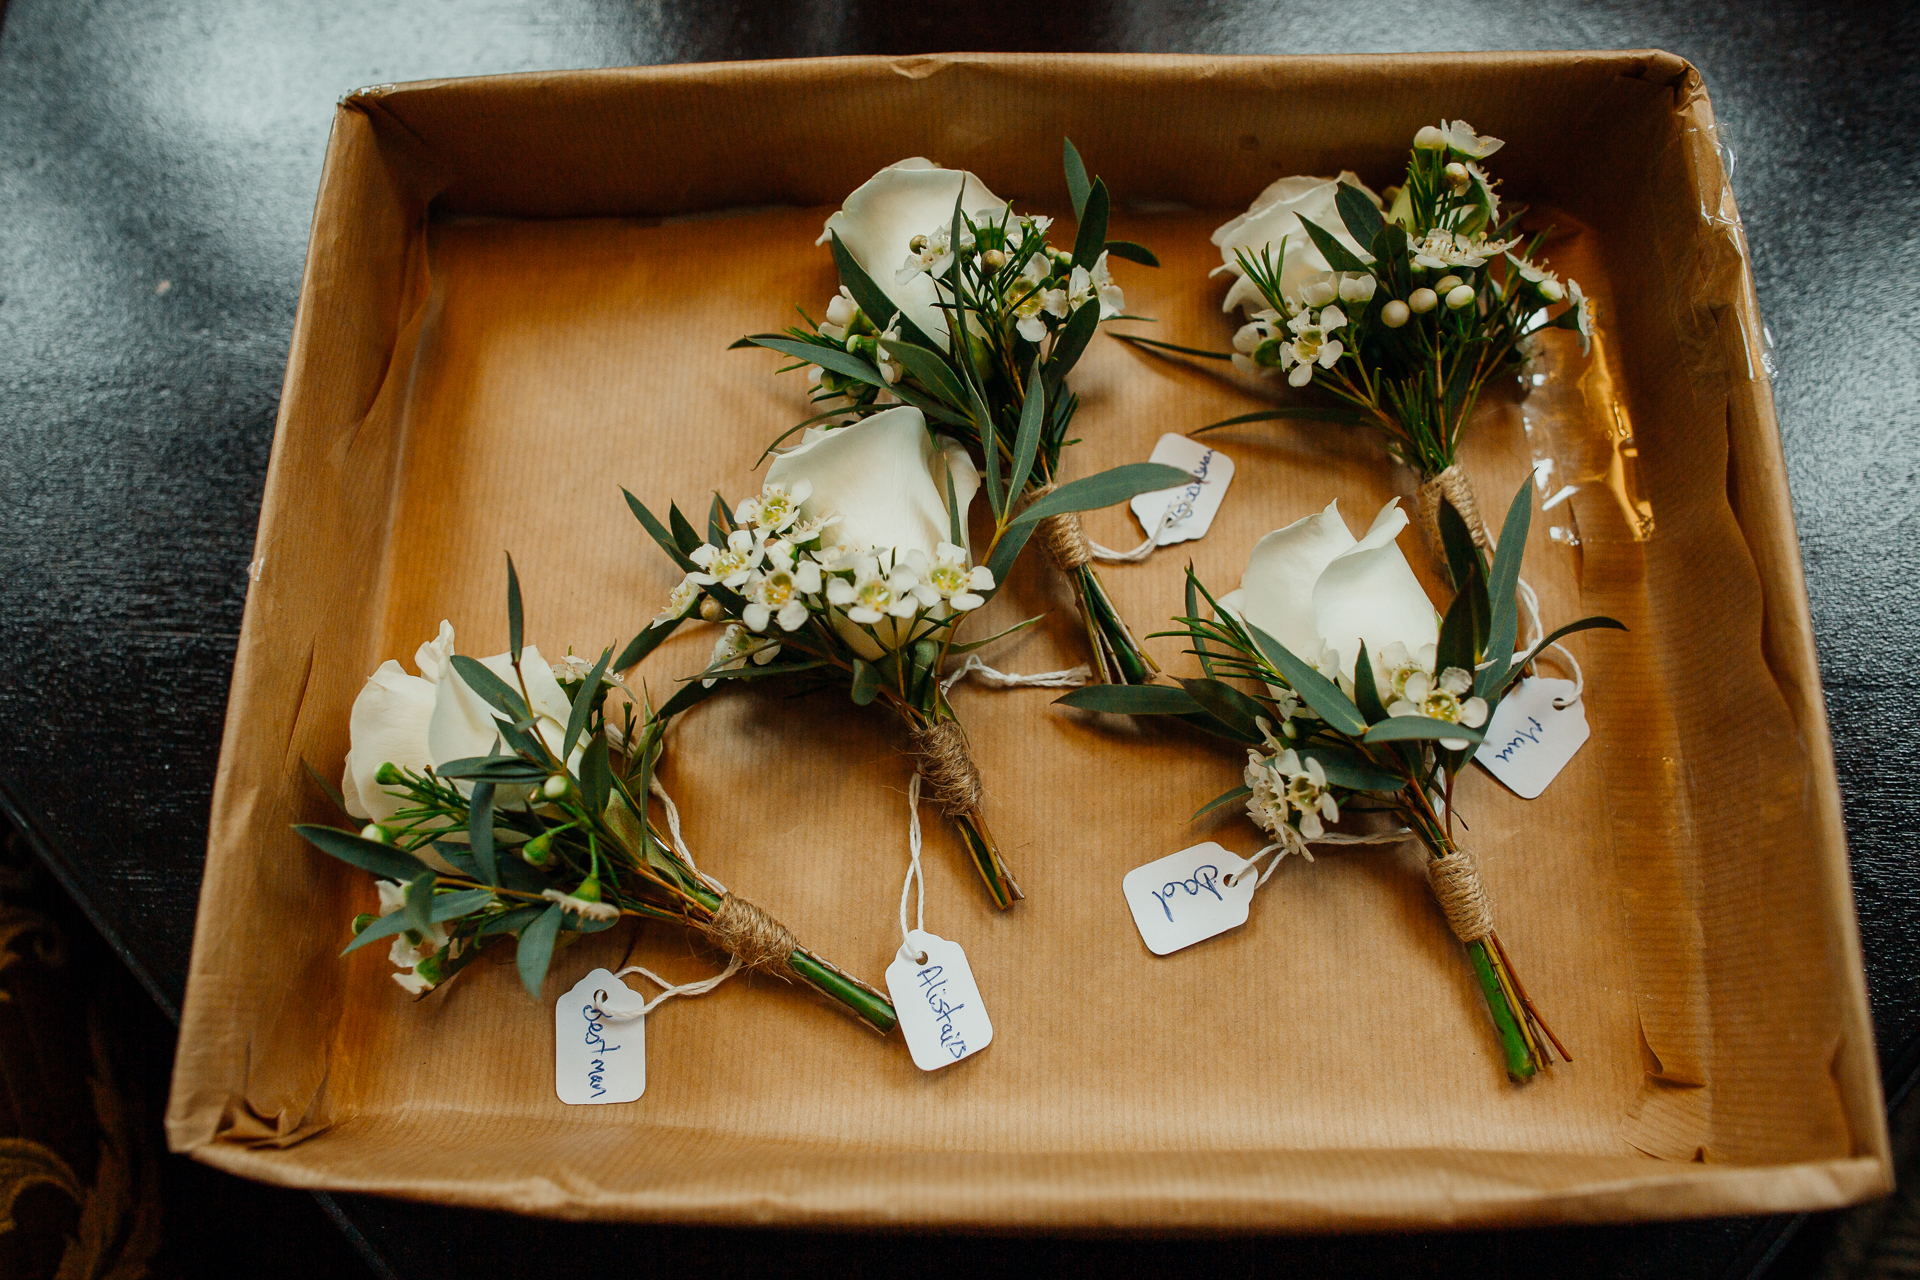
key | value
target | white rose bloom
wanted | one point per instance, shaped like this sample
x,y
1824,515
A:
x,y
1320,592
882,482
912,198
423,721
1275,215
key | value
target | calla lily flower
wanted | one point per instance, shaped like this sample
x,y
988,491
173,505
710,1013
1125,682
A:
x,y
1321,592
912,198
1276,215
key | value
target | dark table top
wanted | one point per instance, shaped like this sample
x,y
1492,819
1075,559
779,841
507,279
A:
x,y
158,163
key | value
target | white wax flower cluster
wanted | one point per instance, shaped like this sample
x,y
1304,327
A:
x,y
900,221
1311,329
852,528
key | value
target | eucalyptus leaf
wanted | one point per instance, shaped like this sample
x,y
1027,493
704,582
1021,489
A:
x,y
1362,218
930,369
866,682
1459,643
536,949
841,362
583,704
1232,708
1315,690
1338,256
382,860
480,832
1132,252
508,921
326,788
394,922
516,620
1105,489
1308,412
1092,238
596,774
1000,563
1355,773
1224,798
684,533
462,902
489,686
1033,416
511,770
1078,185
658,534
1503,583
650,638
1132,700
1420,728
1597,622
419,906
1071,342
1463,556
1366,688
956,530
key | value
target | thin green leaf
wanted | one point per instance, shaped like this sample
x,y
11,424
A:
x,y
956,532
1503,582
1232,708
684,533
596,774
1353,772
1338,256
1158,345
1224,798
583,704
326,788
1459,630
511,770
1366,688
972,645
1000,563
1132,700
1309,412
1315,690
385,927
536,949
866,682
1132,252
1071,342
871,298
508,921
1200,650
841,362
1026,445
1078,184
930,369
716,521
382,860
1090,242
516,628
1105,489
481,679
1419,728
480,833
419,907
650,638
1362,218
1584,624
658,534
1463,555
452,906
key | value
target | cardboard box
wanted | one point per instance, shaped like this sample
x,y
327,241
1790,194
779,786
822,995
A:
x,y
519,294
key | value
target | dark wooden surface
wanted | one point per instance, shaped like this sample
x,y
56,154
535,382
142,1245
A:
x,y
158,162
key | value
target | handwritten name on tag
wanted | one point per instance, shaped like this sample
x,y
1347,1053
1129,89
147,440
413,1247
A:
x,y
940,1010
1188,897
1194,504
599,1058
1529,740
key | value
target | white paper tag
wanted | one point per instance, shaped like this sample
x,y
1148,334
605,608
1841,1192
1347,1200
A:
x,y
940,1010
1195,504
1187,897
1529,740
599,1059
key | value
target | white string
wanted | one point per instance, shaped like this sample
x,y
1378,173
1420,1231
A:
x,y
1175,511
914,874
1534,635
1332,837
1070,678
673,829
668,990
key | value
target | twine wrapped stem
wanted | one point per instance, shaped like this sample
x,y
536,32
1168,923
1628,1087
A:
x,y
1062,536
940,751
751,936
1462,897
1453,486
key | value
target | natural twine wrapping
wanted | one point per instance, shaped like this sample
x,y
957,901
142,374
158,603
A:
x,y
751,936
940,751
1456,884
1454,486
1062,536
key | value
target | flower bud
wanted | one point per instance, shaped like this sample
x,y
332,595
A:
x,y
1358,288
1394,314
841,310
1457,176
994,259
433,968
389,775
538,851
1267,354
710,609
1317,294
1460,296
1552,290
1423,301
1446,284
917,245
555,787
1430,139
361,921
589,890
375,832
